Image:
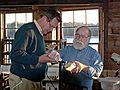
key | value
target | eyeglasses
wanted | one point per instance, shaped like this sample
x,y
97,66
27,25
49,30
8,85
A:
x,y
78,36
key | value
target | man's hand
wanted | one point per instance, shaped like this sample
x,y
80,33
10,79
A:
x,y
54,56
79,67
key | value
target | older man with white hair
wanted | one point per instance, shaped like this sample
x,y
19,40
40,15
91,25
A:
x,y
83,62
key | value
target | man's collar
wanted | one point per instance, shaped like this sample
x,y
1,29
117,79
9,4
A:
x,y
38,26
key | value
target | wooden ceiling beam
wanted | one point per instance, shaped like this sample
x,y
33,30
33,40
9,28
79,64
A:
x,y
37,2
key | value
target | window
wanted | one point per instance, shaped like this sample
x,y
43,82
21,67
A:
x,y
75,18
10,22
14,21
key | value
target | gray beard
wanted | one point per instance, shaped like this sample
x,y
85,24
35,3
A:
x,y
79,45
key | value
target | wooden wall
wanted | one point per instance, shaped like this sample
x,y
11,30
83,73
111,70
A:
x,y
112,33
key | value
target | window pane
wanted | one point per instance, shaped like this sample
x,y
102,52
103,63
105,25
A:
x,y
94,39
92,17
69,34
20,17
29,17
54,35
67,18
69,40
10,18
95,46
11,33
24,17
11,25
79,18
94,35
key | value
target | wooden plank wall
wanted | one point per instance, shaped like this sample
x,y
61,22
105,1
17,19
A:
x,y
113,33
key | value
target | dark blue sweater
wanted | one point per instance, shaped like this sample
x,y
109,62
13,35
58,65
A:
x,y
27,46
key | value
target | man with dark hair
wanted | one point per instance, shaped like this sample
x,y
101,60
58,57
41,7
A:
x,y
83,62
28,54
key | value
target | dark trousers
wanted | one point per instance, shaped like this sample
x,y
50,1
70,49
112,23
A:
x,y
65,86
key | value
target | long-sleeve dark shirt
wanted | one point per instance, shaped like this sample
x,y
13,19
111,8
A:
x,y
27,46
